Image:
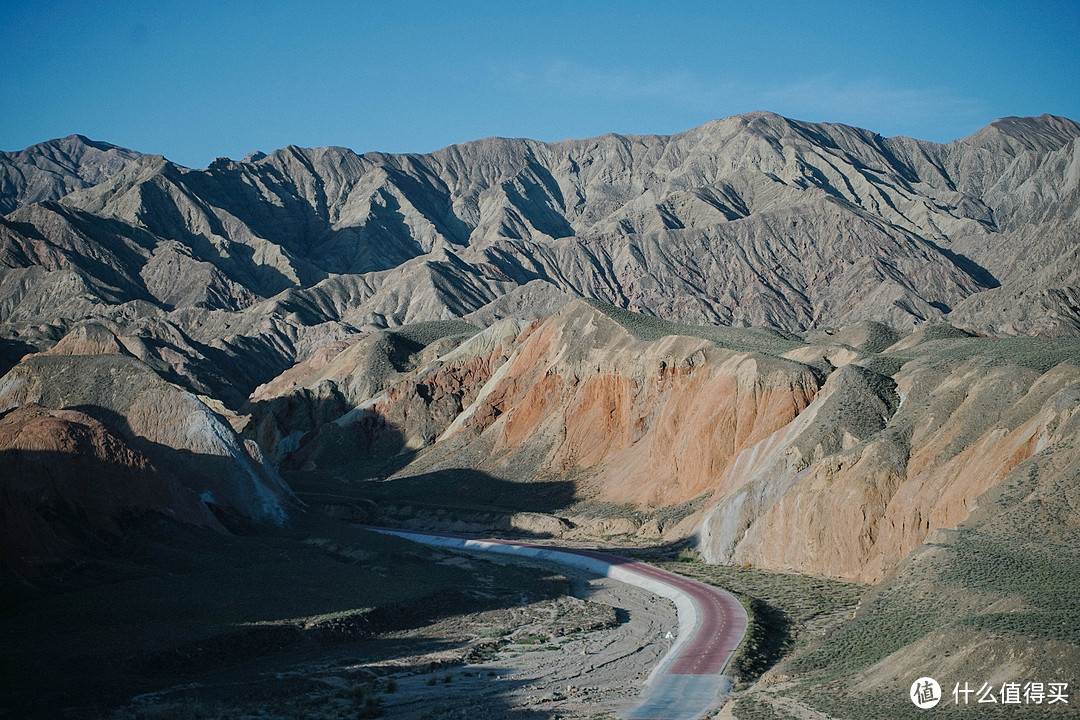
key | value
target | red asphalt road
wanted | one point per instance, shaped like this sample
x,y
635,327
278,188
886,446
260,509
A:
x,y
721,617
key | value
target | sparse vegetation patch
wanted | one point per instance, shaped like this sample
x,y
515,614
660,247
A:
x,y
784,610
767,341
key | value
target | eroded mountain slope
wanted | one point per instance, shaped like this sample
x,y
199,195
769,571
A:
x,y
50,170
824,459
190,445
749,221
68,480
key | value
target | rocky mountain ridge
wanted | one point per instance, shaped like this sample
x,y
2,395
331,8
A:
x,y
52,169
753,220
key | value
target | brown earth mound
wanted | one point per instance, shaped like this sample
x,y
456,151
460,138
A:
x,y
68,482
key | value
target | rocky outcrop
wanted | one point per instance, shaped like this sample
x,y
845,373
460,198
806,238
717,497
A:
x,y
855,506
89,339
184,440
333,389
648,423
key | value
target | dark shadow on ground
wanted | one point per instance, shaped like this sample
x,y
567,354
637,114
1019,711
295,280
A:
x,y
464,488
11,352
453,500
296,691
168,606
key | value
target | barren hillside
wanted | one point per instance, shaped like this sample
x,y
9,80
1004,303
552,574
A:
x,y
776,346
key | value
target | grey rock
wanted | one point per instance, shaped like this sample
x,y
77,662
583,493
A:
x,y
50,170
753,220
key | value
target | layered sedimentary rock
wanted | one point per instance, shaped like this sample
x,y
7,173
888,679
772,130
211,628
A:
x,y
821,458
865,502
648,423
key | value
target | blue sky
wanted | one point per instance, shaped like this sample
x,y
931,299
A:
x,y
196,80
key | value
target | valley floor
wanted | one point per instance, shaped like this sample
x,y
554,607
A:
x,y
570,657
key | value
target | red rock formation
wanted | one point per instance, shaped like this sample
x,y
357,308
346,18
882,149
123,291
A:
x,y
842,481
857,511
648,423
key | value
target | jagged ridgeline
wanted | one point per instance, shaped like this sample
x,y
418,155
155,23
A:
x,y
754,220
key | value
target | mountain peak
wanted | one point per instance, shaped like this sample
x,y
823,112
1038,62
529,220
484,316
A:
x,y
1018,134
54,168
755,219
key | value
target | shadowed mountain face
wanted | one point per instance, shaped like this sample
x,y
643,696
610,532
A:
x,y
747,221
193,449
68,480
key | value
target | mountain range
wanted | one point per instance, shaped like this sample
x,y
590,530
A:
x,y
796,346
748,221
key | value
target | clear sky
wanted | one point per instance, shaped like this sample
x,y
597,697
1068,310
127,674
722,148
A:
x,y
195,80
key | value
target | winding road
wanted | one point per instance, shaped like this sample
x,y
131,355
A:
x,y
689,681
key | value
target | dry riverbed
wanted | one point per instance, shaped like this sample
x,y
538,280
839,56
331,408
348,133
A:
x,y
583,655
